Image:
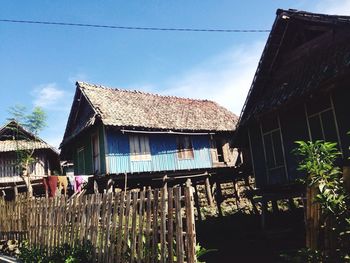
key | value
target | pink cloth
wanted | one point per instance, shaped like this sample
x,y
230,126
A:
x,y
79,180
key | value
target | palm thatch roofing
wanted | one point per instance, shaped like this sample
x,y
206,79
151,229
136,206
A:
x,y
145,111
14,137
19,145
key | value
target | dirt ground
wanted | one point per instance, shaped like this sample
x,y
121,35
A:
x,y
239,238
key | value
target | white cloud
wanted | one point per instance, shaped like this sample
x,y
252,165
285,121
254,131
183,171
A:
x,y
48,96
334,7
225,78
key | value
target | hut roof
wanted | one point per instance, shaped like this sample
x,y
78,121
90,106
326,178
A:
x,y
133,109
11,145
14,137
125,108
303,54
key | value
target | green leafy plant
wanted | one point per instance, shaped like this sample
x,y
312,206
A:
x,y
28,255
318,161
34,123
201,251
80,253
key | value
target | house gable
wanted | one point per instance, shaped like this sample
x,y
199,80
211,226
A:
x,y
81,117
302,71
303,52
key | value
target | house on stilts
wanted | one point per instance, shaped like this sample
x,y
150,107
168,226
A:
x,y
146,139
300,91
14,139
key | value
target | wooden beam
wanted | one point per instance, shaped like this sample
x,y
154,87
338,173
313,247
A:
x,y
196,202
263,214
219,197
15,191
208,191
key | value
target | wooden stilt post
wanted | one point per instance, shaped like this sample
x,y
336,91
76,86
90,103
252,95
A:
x,y
165,187
165,182
208,191
95,187
15,191
263,214
190,224
196,201
236,193
219,197
275,206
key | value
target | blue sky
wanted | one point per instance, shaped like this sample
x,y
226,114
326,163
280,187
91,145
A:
x,y
40,64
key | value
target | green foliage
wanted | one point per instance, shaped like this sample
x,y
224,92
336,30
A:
x,y
318,161
80,253
17,113
36,121
28,255
33,122
317,158
201,251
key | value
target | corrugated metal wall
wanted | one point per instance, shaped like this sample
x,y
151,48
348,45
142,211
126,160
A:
x,y
163,152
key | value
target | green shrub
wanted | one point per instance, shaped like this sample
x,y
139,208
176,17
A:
x,y
318,161
80,253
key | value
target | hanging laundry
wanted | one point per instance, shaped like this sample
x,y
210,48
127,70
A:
x,y
79,180
71,180
62,184
50,184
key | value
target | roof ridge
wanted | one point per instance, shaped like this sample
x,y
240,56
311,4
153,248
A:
x,y
83,84
303,13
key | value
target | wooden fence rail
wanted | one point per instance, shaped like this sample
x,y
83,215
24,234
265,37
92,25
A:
x,y
133,226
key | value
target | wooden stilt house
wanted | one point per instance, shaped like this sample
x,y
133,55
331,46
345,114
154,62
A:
x,y
14,139
113,132
300,91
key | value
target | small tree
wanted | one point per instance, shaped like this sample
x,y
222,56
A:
x,y
34,123
318,160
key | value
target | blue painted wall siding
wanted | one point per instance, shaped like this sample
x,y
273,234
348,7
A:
x,y
163,152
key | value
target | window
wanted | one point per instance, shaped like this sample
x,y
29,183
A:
x,y
217,150
95,153
273,149
321,121
139,148
184,148
81,161
322,126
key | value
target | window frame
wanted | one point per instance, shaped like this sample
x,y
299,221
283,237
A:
x,y
81,150
319,117
184,148
95,136
139,147
270,132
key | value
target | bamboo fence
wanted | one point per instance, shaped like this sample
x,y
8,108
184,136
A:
x,y
133,226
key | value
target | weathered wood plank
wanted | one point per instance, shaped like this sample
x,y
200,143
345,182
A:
x,y
140,230
133,226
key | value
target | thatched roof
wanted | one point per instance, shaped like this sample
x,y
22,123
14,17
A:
x,y
12,145
14,137
303,54
125,108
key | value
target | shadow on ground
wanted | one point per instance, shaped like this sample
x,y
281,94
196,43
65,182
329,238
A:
x,y
239,238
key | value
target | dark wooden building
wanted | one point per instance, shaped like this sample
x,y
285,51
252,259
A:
x,y
300,91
